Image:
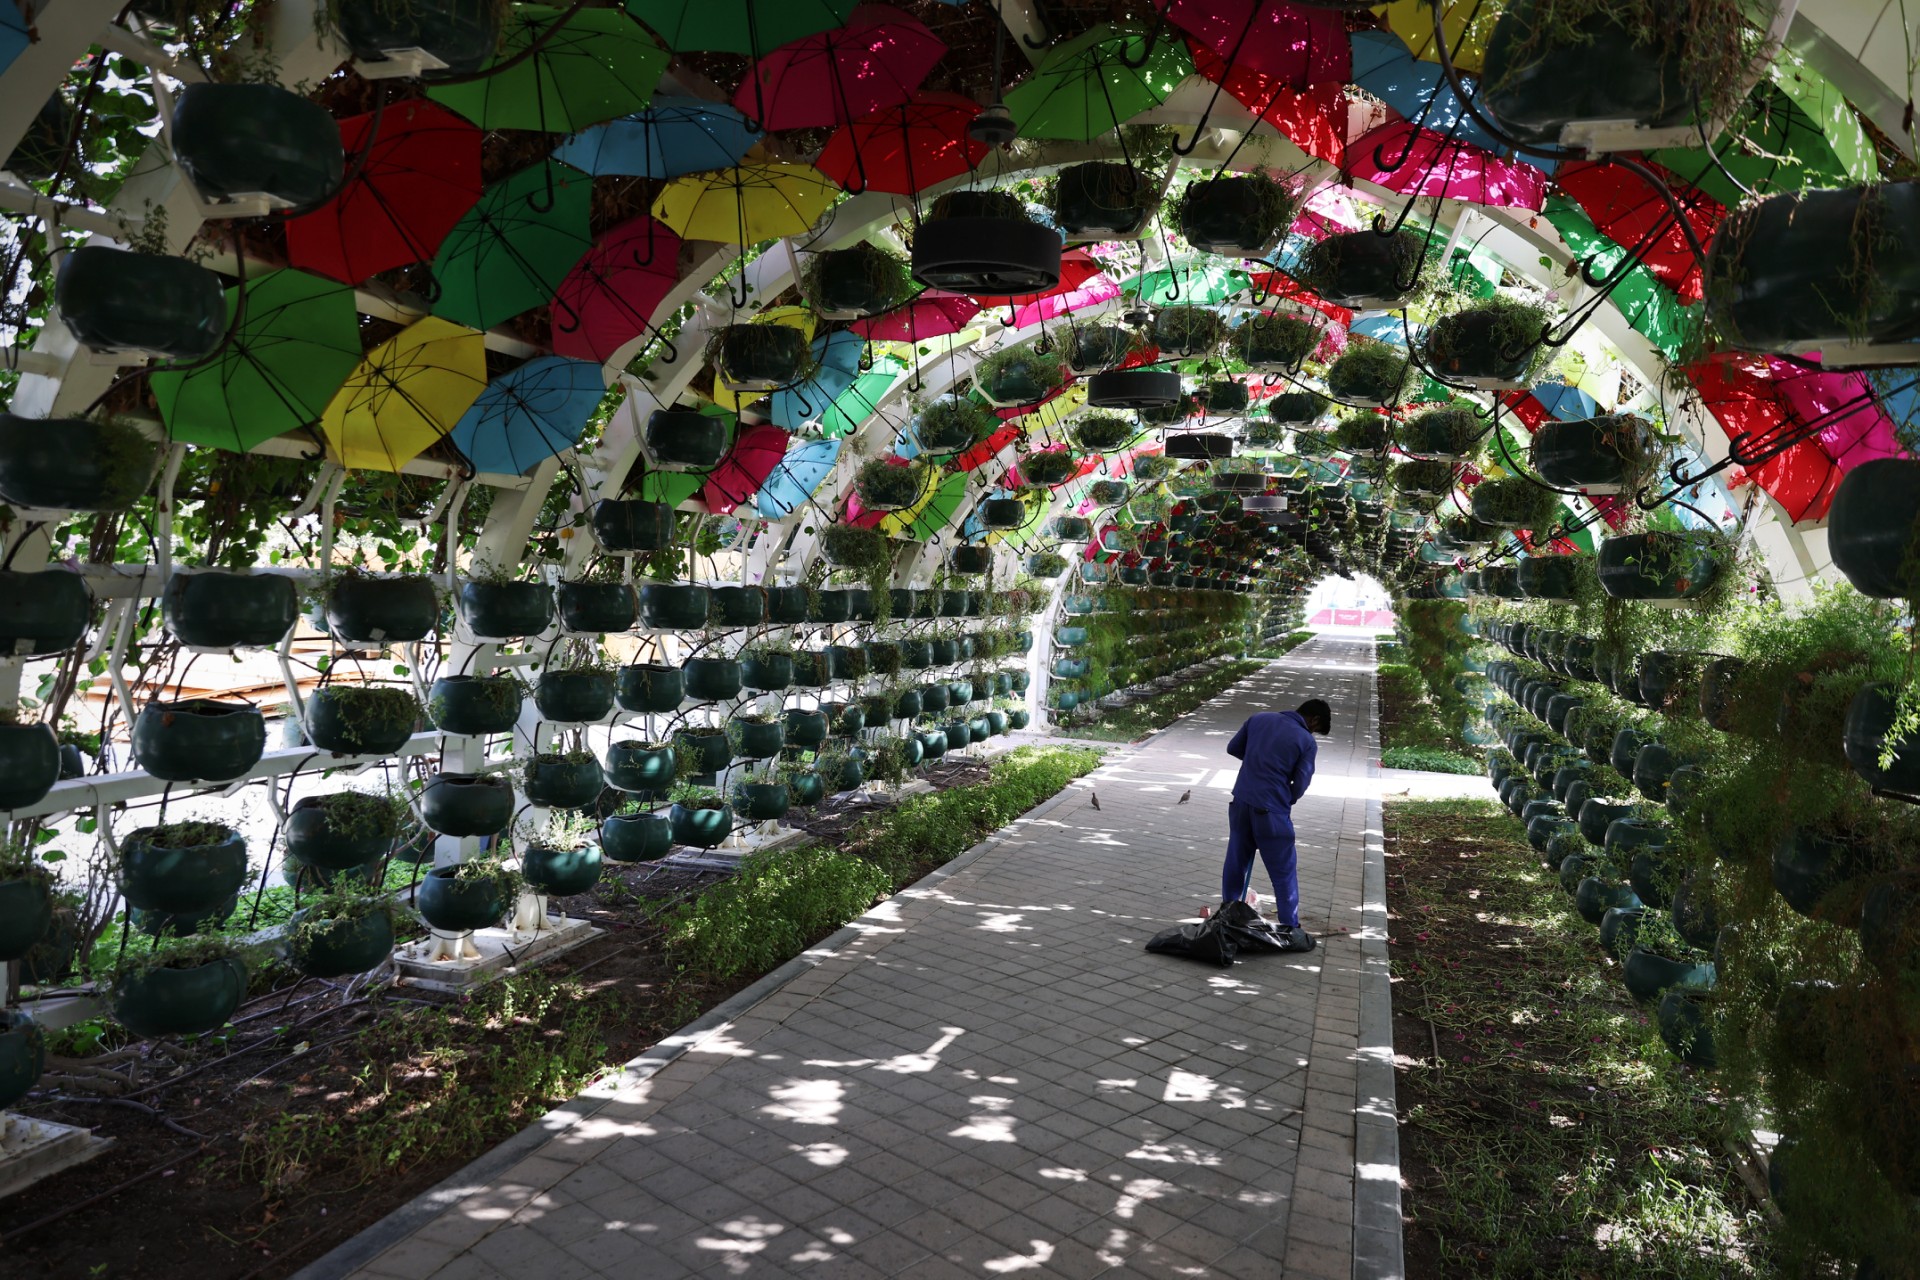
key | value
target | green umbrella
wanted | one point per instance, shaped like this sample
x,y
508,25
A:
x,y
510,251
937,514
860,401
600,65
1794,131
671,487
1087,86
1197,283
297,340
751,27
1652,309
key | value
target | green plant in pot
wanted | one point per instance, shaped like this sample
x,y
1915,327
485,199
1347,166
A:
x,y
1047,468
1442,434
1101,200
1368,373
1362,269
558,857
1018,375
1046,564
343,931
760,357
74,464
344,830
1274,343
469,895
1360,433
476,705
1237,216
1611,453
1494,344
635,834
1103,433
1515,502
361,719
888,484
952,424
467,804
1188,331
26,902
562,779
577,684
760,799
183,987
847,284
700,817
1089,348
378,611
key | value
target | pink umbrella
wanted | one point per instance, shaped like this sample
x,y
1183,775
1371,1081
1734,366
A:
x,y
931,315
1091,294
836,77
1855,429
1430,164
739,475
1289,43
609,297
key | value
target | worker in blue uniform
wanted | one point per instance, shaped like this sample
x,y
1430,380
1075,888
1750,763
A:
x,y
1276,751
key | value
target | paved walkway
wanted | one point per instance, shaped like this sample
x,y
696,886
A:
x,y
987,1076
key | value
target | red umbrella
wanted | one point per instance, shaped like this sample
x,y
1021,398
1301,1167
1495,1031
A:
x,y
1431,164
739,475
906,148
1077,266
1627,212
931,315
420,174
1289,43
877,60
609,297
984,452
1316,121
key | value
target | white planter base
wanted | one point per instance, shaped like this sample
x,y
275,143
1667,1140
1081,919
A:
x,y
34,1149
455,966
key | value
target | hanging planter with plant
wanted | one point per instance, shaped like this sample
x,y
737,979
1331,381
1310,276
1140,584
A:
x,y
42,613
1091,348
996,513
1886,766
362,609
1224,396
636,837
117,300
1363,270
561,780
890,484
1368,373
360,719
467,896
649,688
700,817
1658,566
1015,376
847,546
73,464
496,608
1046,564
574,695
1107,493
1493,345
1188,332
344,932
688,439
969,559
1515,502
467,804
760,801
644,768
756,358
184,987
634,524
596,608
1422,479
1103,433
983,242
29,763
475,705
1274,343
1873,528
236,140
560,859
1237,217
182,867
26,902
736,606
952,424
213,611
1598,455
459,35
1360,433
708,750
1102,200
756,735
197,740
1048,468
1446,435
712,679
848,284
674,606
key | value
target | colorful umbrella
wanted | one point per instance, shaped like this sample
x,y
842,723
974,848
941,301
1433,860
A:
x,y
421,171
295,343
852,408
405,395
1418,91
1196,282
1628,212
1794,132
1413,161
931,315
1077,268
745,204
671,137
836,358
906,148
530,414
737,26
609,297
1316,121
833,77
14,37
1095,81
755,453
931,514
1738,390
1091,293
510,251
800,472
1290,43
1642,301
560,70
1467,24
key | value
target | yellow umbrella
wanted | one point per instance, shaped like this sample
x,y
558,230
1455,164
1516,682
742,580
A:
x,y
794,318
1467,23
406,394
747,203
1052,415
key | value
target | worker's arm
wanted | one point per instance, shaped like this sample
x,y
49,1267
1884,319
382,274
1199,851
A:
x,y
1303,770
1238,747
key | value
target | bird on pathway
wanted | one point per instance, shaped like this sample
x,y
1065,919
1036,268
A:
x,y
1096,798
1185,796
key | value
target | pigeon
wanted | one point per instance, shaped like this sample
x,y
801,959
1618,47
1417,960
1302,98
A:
x,y
1096,798
1185,796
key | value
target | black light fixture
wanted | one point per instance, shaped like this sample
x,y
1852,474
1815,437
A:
x,y
986,255
1133,389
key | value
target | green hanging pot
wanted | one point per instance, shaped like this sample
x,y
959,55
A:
x,y
559,782
908,705
26,914
959,735
626,525
180,1002
194,741
560,873
183,924
649,688
761,801
996,723
673,606
465,804
934,697
596,608
505,610
1684,1027
787,605
712,679
1593,898
42,613
758,739
474,706
805,729
805,788
933,742
117,300
23,1055
767,673
830,606
238,139
1018,720
811,669
338,947
211,610
636,837
455,904
639,768
1872,528
700,828
29,764
711,751
73,464
320,833
1817,874
360,720
1870,717
737,606
574,697
1619,927
956,604
959,692
690,439
1656,566
1648,974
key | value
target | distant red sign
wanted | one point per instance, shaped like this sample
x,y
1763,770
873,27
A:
x,y
1371,619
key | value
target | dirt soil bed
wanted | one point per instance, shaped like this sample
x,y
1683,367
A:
x,y
325,1106
1545,1129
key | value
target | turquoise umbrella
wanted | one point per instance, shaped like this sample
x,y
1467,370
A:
x,y
837,359
795,478
530,414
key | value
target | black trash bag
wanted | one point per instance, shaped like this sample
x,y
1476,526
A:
x,y
1234,928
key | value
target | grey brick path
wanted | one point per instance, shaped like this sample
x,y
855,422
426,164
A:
x,y
987,1076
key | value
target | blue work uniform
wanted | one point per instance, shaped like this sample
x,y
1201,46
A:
x,y
1276,751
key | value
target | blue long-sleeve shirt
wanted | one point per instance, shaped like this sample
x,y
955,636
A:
x,y
1276,751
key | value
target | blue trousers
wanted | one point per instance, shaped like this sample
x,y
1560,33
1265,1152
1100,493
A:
x,y
1271,834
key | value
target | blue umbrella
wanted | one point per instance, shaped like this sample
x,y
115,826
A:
x,y
795,478
1569,404
13,35
837,356
1387,69
1385,328
671,137
529,414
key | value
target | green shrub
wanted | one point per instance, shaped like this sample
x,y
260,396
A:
x,y
1428,760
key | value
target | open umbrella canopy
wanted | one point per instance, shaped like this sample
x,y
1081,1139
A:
x,y
405,395
799,472
834,77
1385,68
529,414
585,66
1414,161
933,314
905,148
609,297
747,203
1794,132
511,250
751,27
852,408
934,512
1092,83
756,451
836,359
1631,214
1291,43
295,343
671,137
1315,119
1466,24
420,173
